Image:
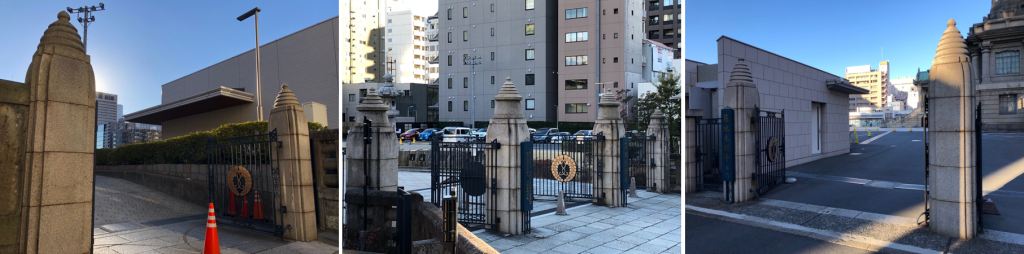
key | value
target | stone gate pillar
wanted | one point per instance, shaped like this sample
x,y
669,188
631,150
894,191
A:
x,y
742,96
382,160
509,128
14,106
952,154
659,153
691,171
57,184
289,120
609,123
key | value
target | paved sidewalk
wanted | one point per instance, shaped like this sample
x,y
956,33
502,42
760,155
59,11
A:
x,y
650,224
131,218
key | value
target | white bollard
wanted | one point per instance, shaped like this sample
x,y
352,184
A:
x,y
632,187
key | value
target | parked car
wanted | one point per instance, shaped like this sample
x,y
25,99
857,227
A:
x,y
426,134
559,137
410,134
456,134
584,135
532,130
542,135
479,133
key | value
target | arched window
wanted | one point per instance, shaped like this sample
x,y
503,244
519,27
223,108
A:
x,y
1008,62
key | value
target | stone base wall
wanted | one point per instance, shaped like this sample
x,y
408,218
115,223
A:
x,y
990,117
418,158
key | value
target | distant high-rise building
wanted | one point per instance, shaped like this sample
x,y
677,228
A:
x,y
107,108
664,23
125,133
875,80
407,53
120,112
363,47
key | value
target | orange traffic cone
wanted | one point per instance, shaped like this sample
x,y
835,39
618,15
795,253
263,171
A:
x,y
245,206
257,209
231,203
212,244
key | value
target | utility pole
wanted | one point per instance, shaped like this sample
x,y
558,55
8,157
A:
x,y
472,61
259,98
89,18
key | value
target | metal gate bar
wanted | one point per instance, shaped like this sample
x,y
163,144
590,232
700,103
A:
x,y
465,166
770,138
257,154
708,149
571,165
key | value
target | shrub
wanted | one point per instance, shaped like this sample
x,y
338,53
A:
x,y
185,149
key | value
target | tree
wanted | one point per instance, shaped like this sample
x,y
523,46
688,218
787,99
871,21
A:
x,y
665,89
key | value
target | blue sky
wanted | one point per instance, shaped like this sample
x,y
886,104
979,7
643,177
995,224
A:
x,y
137,46
831,35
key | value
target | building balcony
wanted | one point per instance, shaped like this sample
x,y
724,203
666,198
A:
x,y
653,7
653,22
653,36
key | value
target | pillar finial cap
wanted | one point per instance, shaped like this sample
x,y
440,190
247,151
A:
x,y
285,97
508,92
740,73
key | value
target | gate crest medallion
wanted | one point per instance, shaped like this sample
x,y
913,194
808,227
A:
x,y
773,149
239,181
563,168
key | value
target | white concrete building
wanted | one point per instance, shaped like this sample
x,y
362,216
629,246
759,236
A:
x,y
815,103
907,86
407,46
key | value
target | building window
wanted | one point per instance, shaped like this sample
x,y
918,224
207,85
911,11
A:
x,y
574,108
492,80
669,17
529,54
492,7
449,37
492,103
577,36
615,85
575,60
351,97
528,80
1008,62
492,56
465,82
668,34
389,39
389,29
465,12
530,104
492,31
616,36
576,13
449,18
449,60
449,106
529,4
616,11
529,29
465,105
1007,104
449,83
389,22
575,84
465,35
615,59
654,19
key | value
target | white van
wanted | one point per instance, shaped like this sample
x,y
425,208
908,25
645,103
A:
x,y
456,134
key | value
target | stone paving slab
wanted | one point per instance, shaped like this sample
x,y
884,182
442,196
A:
x,y
649,224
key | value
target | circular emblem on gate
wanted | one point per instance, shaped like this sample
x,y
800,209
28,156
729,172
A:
x,y
472,179
563,168
772,149
239,180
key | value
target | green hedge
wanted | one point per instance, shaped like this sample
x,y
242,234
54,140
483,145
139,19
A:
x,y
185,149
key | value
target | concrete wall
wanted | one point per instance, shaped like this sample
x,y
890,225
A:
x,y
306,60
990,117
185,181
789,85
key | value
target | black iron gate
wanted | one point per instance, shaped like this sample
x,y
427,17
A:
x,y
770,138
640,154
708,149
244,182
571,164
465,166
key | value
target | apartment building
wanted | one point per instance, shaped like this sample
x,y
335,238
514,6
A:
x,y
407,46
512,39
363,46
432,63
875,80
911,92
599,48
664,23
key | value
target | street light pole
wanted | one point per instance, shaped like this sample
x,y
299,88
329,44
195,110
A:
x,y
89,18
472,61
259,98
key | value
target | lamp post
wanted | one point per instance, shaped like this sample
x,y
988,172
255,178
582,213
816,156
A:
x,y
472,61
89,18
259,99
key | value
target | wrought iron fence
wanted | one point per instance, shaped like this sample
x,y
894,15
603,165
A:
x,y
245,169
466,166
770,139
571,164
708,149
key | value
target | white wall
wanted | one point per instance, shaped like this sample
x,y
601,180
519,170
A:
x,y
790,86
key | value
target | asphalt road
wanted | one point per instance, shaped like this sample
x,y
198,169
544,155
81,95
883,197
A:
x,y
708,235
